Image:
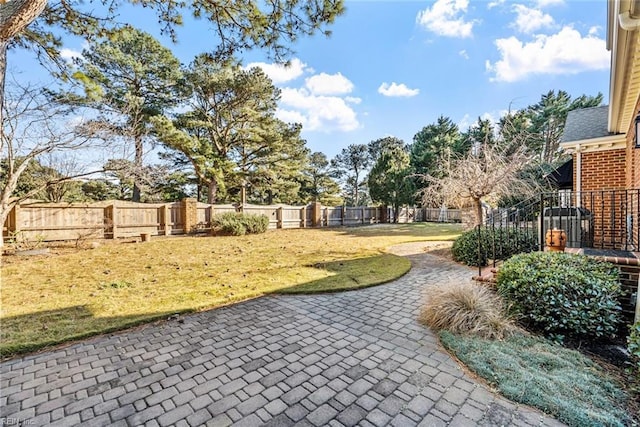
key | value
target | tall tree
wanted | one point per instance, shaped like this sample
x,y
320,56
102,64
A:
x,y
434,142
229,131
486,175
390,179
548,117
378,146
271,160
237,24
317,183
128,78
351,165
34,126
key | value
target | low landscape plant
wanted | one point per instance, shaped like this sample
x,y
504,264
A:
x,y
495,243
561,293
466,308
239,224
533,371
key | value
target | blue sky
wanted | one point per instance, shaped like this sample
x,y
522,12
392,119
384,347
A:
x,y
392,67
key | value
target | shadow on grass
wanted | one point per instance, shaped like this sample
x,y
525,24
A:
x,y
34,331
41,329
353,274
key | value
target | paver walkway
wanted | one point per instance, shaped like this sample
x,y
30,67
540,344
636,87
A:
x,y
355,358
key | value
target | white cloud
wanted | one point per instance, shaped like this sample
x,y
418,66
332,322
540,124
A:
x,y
69,54
529,20
566,52
446,18
495,3
328,84
593,31
545,3
317,113
353,100
280,73
464,54
395,89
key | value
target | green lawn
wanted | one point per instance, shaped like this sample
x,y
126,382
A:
x,y
69,295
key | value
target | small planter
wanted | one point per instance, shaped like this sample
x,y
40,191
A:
x,y
556,240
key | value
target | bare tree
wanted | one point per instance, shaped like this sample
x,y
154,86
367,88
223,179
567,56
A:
x,y
34,126
486,173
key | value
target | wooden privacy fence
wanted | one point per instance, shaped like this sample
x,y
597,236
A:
x,y
115,219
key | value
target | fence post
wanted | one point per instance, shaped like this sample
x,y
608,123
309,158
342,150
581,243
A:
x,y
344,212
279,217
362,213
303,217
189,214
165,219
110,221
316,214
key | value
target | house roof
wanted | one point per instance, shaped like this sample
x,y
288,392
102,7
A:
x,y
586,123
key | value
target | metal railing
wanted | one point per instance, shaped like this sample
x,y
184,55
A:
x,y
607,219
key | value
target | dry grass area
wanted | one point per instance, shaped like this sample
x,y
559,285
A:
x,y
73,294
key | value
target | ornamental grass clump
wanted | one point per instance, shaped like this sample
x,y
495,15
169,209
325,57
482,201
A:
x,y
467,308
562,294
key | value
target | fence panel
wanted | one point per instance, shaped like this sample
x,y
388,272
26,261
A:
x,y
60,221
132,219
116,219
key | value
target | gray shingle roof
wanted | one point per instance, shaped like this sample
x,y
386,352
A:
x,y
586,123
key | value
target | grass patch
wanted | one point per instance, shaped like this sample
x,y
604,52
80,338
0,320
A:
x,y
68,295
354,274
535,372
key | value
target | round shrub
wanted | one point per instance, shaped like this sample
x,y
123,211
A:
x,y
239,224
496,243
562,293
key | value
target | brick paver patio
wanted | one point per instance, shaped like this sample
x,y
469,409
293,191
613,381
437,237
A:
x,y
354,358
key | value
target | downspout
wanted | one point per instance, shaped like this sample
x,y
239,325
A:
x,y
578,176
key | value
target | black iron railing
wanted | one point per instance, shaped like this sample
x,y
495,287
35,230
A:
x,y
589,219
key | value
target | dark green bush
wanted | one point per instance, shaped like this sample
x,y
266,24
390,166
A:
x,y
239,224
634,344
497,243
562,294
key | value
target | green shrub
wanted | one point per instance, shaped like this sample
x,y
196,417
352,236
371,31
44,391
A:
x,y
562,293
634,344
239,224
497,243
256,224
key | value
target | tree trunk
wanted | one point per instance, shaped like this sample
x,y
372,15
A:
x,y
3,75
212,190
4,214
138,167
477,207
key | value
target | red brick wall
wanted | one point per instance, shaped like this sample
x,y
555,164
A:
x,y
603,170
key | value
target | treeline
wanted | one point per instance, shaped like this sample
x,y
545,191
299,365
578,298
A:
x,y
214,124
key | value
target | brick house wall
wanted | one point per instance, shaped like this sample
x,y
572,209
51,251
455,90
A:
x,y
605,170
